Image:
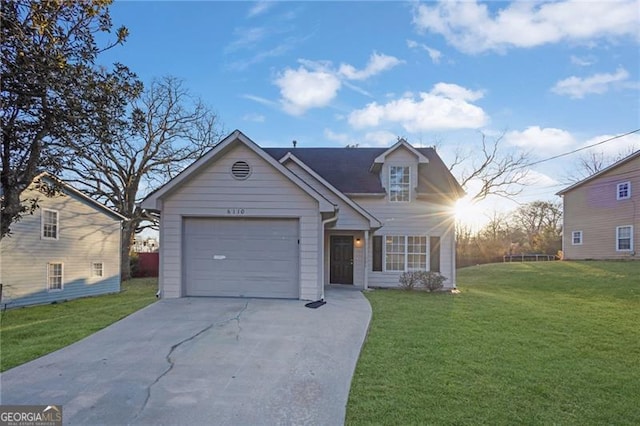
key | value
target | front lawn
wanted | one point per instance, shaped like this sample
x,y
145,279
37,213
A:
x,y
527,343
31,332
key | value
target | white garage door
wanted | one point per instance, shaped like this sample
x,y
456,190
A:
x,y
241,257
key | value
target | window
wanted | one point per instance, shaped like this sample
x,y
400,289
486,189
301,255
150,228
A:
x,y
49,224
623,191
624,238
54,276
405,253
97,269
394,249
399,183
416,253
576,238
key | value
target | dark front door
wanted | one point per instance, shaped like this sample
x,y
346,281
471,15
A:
x,y
341,264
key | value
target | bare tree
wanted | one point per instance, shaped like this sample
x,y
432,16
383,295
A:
x,y
592,162
166,130
542,223
499,171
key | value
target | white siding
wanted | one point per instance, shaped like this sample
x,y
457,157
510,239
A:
x,y
213,192
86,235
417,217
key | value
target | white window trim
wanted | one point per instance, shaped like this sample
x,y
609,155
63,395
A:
x,y
389,183
406,253
630,249
93,270
42,215
573,242
618,197
61,277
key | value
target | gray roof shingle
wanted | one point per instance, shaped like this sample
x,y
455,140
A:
x,y
348,169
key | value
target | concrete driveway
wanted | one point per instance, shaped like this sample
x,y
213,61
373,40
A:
x,y
206,361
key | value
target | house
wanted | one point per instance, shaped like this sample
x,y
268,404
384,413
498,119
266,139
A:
x,y
147,245
243,221
68,248
602,213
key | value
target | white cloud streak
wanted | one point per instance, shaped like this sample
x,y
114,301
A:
x,y
446,106
434,54
473,28
377,63
548,140
577,88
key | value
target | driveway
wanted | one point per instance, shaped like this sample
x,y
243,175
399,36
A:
x,y
206,361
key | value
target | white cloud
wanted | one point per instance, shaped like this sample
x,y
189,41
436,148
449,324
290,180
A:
x,y
342,138
445,107
378,63
546,140
302,89
472,27
259,99
616,148
582,61
577,88
247,38
259,8
535,178
434,54
382,138
256,118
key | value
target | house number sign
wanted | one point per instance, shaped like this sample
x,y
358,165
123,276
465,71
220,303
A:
x,y
235,212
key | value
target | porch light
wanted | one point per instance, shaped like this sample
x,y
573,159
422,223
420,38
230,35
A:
x,y
358,242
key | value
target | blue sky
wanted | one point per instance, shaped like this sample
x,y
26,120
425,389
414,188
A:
x,y
554,76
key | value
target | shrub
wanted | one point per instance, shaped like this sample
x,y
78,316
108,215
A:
x,y
408,280
431,280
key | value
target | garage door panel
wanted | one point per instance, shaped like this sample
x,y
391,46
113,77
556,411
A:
x,y
241,257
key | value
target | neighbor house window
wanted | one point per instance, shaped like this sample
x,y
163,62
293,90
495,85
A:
x,y
623,191
54,276
49,224
624,238
405,253
399,183
576,238
97,269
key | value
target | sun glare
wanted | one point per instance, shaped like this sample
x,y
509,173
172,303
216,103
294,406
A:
x,y
468,213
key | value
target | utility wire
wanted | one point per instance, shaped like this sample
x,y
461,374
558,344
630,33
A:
x,y
581,149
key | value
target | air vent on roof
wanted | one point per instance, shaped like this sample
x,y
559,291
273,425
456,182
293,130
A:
x,y
241,170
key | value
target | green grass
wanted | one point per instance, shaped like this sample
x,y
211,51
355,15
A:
x,y
31,332
532,343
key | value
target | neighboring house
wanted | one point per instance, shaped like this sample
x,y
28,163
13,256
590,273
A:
x,y
147,245
284,222
68,248
602,213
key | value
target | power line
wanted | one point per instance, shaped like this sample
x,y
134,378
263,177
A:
x,y
581,149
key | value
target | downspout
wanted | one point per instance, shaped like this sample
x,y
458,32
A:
x,y
366,259
333,218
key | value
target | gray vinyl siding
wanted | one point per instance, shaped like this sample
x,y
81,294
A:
x,y
593,209
265,194
414,218
86,235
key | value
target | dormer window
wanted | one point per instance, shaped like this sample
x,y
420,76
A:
x,y
399,183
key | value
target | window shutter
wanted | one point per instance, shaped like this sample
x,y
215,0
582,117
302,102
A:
x,y
377,253
434,254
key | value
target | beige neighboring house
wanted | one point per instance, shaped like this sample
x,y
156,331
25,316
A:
x,y
602,213
68,248
246,221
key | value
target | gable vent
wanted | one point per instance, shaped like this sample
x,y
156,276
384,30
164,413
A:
x,y
241,170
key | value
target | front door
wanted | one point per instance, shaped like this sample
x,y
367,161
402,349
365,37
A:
x,y
341,264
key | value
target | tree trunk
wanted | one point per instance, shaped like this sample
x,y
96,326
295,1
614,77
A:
x,y
127,241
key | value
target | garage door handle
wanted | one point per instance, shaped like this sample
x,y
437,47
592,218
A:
x,y
219,257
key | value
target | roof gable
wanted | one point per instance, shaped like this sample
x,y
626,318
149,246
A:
x,y
152,200
615,165
373,221
380,159
71,191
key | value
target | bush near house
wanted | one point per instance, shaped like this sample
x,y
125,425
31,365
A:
x,y
426,280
